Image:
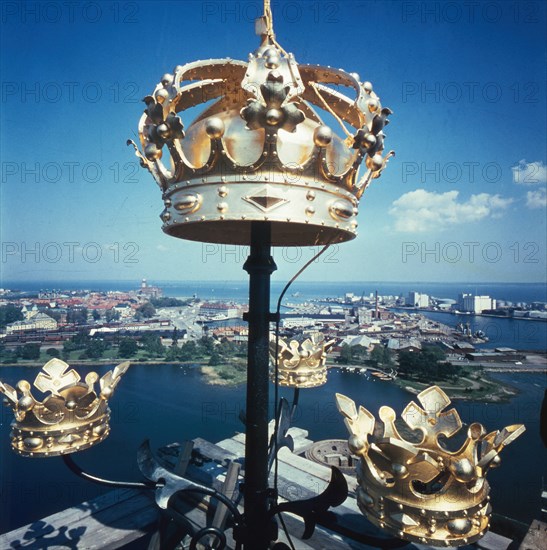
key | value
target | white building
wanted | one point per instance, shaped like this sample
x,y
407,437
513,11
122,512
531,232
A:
x,y
124,310
363,340
34,320
364,315
416,299
218,310
298,322
477,304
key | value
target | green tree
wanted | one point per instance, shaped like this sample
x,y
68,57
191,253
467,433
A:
x,y
55,314
146,310
215,359
431,358
96,315
166,301
9,314
152,345
359,353
377,355
207,344
346,355
95,349
227,348
127,348
78,341
426,364
189,351
172,354
53,352
77,316
112,315
30,351
409,363
175,337
381,356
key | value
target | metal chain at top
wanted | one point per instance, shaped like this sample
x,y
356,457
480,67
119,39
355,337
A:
x,y
268,17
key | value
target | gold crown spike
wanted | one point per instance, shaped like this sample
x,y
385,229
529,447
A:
x,y
301,365
423,492
73,417
261,151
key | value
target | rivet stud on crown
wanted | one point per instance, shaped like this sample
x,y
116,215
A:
x,y
73,417
301,365
423,492
264,125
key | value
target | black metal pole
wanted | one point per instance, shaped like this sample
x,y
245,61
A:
x,y
259,266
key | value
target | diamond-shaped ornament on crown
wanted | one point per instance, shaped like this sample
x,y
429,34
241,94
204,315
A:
x,y
261,151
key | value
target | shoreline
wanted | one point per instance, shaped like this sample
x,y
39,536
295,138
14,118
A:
x,y
107,362
497,392
232,377
465,314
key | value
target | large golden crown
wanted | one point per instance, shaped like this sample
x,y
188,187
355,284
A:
x,y
261,151
301,365
73,417
423,492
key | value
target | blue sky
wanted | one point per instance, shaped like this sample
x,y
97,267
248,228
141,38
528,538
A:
x,y
463,200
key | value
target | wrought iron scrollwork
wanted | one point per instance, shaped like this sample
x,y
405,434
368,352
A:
x,y
167,484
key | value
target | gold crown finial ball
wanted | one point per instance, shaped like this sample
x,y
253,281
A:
x,y
161,95
271,58
370,140
215,127
152,152
322,136
274,117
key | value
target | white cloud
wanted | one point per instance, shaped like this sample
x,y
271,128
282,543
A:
x,y
420,210
529,173
537,199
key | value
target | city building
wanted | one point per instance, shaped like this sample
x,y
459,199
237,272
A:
x,y
232,334
416,299
362,340
404,344
496,357
218,310
33,320
476,304
149,291
364,315
298,322
124,310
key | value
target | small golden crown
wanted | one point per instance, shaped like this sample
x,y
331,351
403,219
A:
x,y
301,365
423,492
72,418
260,151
